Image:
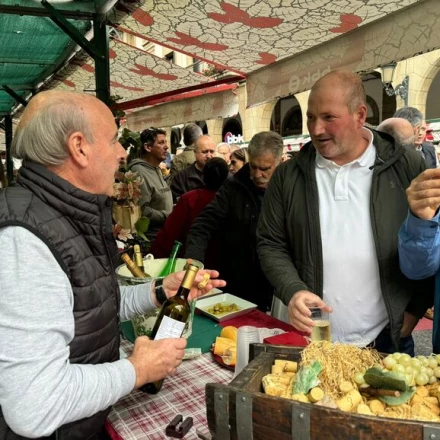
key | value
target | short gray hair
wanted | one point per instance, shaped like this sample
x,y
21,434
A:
x,y
191,133
266,142
43,139
411,114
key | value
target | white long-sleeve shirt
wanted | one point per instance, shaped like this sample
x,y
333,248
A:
x,y
39,389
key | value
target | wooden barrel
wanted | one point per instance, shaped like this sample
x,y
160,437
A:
x,y
241,411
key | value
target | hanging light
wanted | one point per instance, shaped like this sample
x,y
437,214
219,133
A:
x,y
387,78
388,72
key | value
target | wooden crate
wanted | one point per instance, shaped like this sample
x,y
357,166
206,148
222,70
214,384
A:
x,y
241,411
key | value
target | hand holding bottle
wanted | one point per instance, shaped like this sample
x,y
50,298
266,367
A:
x,y
172,283
154,360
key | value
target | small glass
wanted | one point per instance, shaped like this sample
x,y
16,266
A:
x,y
322,329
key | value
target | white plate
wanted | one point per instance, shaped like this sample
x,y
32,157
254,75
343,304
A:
x,y
203,304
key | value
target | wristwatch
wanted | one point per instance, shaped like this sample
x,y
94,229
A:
x,y
159,291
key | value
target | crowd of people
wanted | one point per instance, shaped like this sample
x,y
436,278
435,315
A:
x,y
350,224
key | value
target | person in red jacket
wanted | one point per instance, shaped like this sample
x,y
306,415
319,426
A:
x,y
189,206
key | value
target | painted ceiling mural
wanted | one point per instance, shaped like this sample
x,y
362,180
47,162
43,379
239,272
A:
x,y
245,35
360,51
133,72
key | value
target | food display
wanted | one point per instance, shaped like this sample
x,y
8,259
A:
x,y
222,308
360,381
225,345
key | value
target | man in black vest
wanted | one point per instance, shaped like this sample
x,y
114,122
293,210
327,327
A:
x,y
60,304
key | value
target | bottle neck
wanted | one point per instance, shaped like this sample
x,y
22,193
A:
x,y
187,282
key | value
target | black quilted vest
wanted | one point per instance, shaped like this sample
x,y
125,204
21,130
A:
x,y
77,228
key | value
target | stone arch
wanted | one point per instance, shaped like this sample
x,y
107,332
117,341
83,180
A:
x,y
232,125
257,119
422,71
432,104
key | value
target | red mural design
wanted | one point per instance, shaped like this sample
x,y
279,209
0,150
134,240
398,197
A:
x,y
142,17
233,14
142,70
121,86
88,68
266,58
69,83
186,40
348,23
111,54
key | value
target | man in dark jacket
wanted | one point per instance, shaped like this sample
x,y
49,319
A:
x,y
232,217
60,302
191,133
192,176
328,229
415,117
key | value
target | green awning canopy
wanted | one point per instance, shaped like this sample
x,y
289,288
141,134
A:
x,y
33,47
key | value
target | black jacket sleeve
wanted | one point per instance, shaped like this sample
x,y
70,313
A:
x,y
273,242
207,222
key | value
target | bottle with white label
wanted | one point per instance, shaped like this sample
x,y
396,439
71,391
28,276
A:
x,y
172,318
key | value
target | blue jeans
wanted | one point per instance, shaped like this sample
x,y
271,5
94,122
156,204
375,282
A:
x,y
384,344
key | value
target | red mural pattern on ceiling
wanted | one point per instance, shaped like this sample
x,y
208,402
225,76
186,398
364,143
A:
x,y
236,34
134,74
187,40
348,23
234,14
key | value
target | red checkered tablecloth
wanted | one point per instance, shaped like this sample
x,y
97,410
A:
x,y
143,416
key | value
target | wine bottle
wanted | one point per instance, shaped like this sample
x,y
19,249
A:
x,y
132,267
138,257
172,318
170,265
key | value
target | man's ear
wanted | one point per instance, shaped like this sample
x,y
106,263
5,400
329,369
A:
x,y
362,114
79,149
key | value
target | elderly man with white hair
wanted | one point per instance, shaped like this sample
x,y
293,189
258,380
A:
x,y
223,150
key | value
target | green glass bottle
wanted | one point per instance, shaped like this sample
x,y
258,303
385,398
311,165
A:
x,y
170,265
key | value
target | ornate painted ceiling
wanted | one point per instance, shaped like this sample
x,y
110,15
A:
x,y
245,35
281,46
133,73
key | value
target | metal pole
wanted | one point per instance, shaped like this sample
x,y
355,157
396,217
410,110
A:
x,y
8,137
102,63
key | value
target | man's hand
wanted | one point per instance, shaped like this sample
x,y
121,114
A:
x,y
172,282
299,313
154,360
424,194
409,322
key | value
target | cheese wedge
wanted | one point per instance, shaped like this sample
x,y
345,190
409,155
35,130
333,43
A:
x,y
222,344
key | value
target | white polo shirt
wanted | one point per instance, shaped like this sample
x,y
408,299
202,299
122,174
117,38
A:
x,y
351,272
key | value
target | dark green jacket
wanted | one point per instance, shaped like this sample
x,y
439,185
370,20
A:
x,y
289,236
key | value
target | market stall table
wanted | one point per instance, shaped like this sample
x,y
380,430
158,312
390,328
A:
x,y
142,416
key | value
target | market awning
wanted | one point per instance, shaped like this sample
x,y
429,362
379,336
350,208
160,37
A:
x,y
32,46
283,47
400,35
134,73
216,104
